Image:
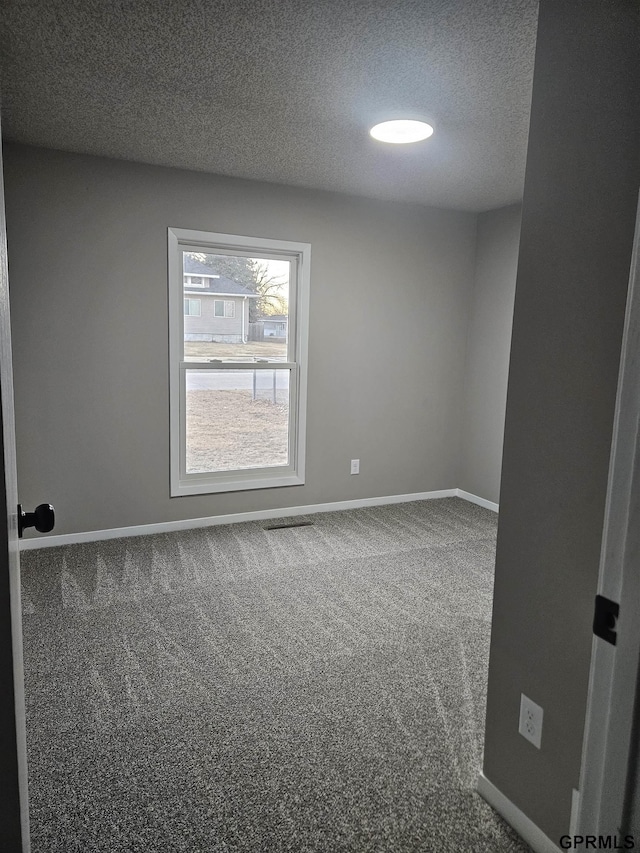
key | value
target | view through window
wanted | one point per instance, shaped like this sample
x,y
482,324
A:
x,y
238,365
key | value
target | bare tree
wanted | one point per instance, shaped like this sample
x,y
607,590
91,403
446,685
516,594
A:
x,y
269,286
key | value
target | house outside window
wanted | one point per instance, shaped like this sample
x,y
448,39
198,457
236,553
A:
x,y
237,392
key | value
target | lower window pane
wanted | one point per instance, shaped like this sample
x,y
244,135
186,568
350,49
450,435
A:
x,y
236,419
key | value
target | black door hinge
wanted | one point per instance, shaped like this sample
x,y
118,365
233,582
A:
x,y
605,619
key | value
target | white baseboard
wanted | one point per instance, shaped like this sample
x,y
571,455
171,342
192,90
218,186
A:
x,y
474,499
233,518
575,808
524,826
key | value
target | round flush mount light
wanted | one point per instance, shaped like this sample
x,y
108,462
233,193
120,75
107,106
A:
x,y
401,131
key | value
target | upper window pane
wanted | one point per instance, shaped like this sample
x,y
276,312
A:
x,y
244,310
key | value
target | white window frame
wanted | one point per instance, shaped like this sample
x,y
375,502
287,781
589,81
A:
x,y
226,304
299,254
195,302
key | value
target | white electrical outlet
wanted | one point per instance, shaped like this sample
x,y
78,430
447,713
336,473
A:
x,y
355,466
530,726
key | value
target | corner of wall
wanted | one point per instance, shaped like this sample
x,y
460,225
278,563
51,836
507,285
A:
x,y
462,433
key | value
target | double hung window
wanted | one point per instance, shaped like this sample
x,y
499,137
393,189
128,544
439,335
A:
x,y
237,390
192,307
224,308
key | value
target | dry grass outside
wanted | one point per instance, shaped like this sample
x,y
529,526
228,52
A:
x,y
250,350
227,430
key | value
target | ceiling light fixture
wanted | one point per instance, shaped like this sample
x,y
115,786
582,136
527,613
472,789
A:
x,y
401,131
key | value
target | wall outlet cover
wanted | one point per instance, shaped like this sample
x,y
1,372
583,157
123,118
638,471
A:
x,y
530,725
355,466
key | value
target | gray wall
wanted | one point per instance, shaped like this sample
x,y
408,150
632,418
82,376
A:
x,y
488,345
581,190
88,277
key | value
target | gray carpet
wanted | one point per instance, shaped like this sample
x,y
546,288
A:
x,y
318,688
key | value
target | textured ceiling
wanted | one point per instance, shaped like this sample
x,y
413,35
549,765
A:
x,y
282,90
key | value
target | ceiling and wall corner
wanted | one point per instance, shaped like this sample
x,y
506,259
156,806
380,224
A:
x,y
282,92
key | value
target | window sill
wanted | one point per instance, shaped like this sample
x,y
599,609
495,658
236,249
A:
x,y
233,484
